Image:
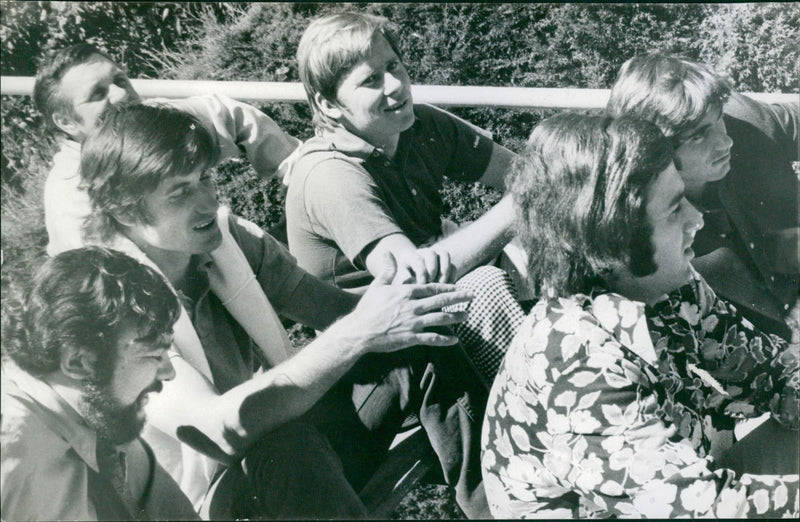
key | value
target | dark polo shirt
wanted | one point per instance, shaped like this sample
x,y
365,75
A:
x,y
344,194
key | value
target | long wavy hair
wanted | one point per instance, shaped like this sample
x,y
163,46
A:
x,y
579,190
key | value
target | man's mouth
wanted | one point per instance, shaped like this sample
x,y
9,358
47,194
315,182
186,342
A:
x,y
156,387
396,106
206,225
725,157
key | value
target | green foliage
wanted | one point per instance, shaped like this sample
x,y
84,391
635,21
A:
x,y
134,33
759,48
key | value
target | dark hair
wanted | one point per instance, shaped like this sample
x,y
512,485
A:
x,y
672,92
130,152
579,191
46,92
331,46
81,298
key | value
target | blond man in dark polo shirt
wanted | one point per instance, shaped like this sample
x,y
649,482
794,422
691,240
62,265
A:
x,y
369,184
370,181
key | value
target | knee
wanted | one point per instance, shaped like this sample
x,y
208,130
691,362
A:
x,y
490,285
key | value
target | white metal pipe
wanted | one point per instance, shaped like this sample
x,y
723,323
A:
x,y
446,95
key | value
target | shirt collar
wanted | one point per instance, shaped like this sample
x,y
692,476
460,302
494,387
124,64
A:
x,y
627,321
340,139
61,414
71,145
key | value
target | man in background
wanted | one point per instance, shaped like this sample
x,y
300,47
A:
x,y
76,85
735,157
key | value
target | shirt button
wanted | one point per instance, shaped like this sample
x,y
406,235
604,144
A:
x,y
723,235
385,163
752,245
375,153
414,191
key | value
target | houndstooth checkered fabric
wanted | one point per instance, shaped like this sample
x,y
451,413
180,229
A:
x,y
494,317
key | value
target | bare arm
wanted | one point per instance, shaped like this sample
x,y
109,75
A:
x,y
469,247
495,174
388,318
241,127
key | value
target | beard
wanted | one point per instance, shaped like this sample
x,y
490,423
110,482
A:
x,y
114,422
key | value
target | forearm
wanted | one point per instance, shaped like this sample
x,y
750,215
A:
x,y
482,240
288,390
240,126
224,425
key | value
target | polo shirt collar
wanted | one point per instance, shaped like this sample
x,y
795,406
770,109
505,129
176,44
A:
x,y
342,140
61,413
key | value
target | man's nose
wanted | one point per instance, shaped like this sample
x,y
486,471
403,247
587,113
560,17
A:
x,y
117,94
392,84
207,202
166,372
695,219
723,140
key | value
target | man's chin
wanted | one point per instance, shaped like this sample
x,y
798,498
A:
x,y
113,422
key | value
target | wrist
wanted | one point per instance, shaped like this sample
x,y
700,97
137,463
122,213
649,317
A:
x,y
347,336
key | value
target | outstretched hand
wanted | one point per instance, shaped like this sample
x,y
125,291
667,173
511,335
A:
x,y
390,318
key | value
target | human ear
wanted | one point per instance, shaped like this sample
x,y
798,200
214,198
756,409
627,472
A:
x,y
124,217
78,363
66,124
327,107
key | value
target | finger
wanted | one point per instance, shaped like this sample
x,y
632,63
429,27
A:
x,y
435,339
418,267
447,270
431,260
439,319
404,276
439,301
388,271
429,289
424,338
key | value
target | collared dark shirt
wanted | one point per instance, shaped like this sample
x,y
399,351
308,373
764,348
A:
x,y
231,353
746,210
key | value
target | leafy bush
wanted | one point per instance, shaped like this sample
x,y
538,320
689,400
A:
x,y
539,45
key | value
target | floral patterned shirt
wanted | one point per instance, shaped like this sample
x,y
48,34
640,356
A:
x,y
603,407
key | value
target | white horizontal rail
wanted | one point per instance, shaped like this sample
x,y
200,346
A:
x,y
454,96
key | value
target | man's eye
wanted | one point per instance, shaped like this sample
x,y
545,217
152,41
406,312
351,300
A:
x,y
98,94
178,195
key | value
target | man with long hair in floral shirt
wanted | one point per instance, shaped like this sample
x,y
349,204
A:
x,y
614,386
